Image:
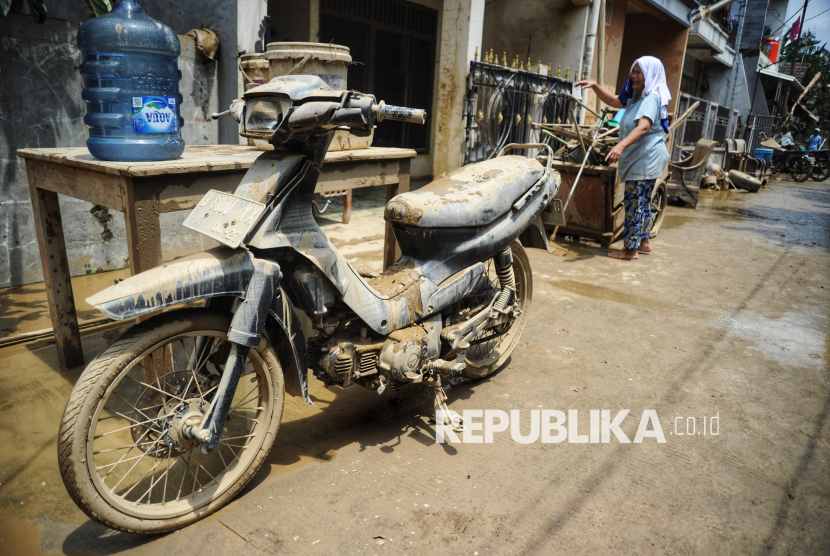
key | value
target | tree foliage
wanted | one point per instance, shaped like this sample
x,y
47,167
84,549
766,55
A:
x,y
811,51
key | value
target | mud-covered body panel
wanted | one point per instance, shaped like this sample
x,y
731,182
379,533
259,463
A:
x,y
295,87
443,251
267,175
218,272
473,195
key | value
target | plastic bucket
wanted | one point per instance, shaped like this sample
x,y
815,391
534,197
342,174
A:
x,y
330,62
255,70
764,154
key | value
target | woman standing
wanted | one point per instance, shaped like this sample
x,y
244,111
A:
x,y
641,152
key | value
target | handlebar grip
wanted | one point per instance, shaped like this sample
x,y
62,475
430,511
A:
x,y
401,114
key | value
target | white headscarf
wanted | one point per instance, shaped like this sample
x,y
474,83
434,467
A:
x,y
655,78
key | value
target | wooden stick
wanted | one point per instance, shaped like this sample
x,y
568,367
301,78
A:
x,y
685,115
579,135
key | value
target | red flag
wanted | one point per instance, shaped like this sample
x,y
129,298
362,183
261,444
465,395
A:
x,y
795,29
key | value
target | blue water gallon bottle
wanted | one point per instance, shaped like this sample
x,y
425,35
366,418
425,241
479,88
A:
x,y
131,86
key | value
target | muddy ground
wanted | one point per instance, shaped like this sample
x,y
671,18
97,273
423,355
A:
x,y
728,317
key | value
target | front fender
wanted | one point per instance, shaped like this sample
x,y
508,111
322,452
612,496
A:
x,y
217,272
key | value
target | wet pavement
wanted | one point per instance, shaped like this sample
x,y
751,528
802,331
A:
x,y
728,317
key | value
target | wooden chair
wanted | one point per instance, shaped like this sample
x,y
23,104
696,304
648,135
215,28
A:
x,y
739,159
683,177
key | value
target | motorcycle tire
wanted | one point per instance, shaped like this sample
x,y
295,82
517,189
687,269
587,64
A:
x,y
123,422
659,198
492,347
800,170
821,170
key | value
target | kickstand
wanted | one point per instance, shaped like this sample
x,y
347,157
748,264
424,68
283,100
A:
x,y
440,403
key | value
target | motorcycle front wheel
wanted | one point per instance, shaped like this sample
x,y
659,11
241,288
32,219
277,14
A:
x,y
491,348
122,453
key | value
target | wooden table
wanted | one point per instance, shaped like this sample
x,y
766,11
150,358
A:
x,y
143,190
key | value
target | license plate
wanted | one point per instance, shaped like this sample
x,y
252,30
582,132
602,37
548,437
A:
x,y
811,160
553,214
224,217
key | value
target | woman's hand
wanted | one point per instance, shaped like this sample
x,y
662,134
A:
x,y
615,153
642,128
604,96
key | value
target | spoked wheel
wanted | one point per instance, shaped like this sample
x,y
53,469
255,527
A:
x,y
492,346
123,453
800,170
658,207
821,170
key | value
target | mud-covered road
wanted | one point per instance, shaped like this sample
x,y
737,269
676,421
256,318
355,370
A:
x,y
727,318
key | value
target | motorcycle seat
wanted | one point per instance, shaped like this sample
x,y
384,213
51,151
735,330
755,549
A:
x,y
473,195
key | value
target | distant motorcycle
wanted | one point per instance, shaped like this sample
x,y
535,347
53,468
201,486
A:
x,y
173,419
820,161
794,162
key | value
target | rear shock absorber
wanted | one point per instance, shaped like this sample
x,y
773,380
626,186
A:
x,y
504,269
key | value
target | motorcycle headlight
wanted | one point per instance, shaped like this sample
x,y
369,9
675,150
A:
x,y
262,117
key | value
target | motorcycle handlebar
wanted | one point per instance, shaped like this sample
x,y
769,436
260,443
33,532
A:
x,y
400,113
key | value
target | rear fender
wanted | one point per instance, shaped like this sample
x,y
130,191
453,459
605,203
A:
x,y
535,236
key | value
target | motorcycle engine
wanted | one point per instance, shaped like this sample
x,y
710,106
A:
x,y
405,352
344,359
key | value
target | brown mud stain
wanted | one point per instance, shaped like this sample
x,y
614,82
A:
x,y
602,293
25,308
315,434
672,221
356,241
18,536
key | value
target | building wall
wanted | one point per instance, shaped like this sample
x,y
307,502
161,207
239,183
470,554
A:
x,y
512,27
776,16
290,20
665,40
41,107
614,35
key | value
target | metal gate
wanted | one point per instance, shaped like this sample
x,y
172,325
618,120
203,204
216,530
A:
x,y
708,121
759,128
502,103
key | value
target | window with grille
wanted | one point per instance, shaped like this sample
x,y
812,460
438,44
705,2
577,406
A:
x,y
393,45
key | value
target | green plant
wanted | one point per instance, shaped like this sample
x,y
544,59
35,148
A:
x,y
100,7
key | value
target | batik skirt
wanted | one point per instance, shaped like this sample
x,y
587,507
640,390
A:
x,y
637,212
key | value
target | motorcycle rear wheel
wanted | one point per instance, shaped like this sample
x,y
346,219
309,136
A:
x,y
121,453
800,170
491,348
821,170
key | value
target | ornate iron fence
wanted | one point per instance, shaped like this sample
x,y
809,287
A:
x,y
502,103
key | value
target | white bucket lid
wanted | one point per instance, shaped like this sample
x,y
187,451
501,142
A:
x,y
320,50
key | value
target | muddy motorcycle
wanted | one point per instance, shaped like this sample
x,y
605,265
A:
x,y
172,420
